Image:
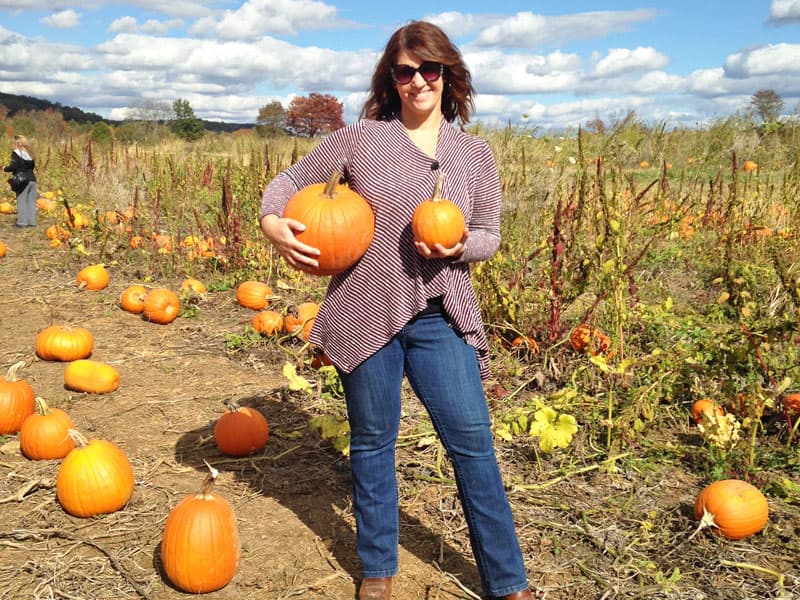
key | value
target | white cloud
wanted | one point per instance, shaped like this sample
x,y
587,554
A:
x,y
764,60
784,12
531,30
255,18
623,60
65,19
123,25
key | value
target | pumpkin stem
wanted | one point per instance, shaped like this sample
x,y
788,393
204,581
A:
x,y
232,405
77,437
707,520
330,187
437,188
13,370
208,483
41,406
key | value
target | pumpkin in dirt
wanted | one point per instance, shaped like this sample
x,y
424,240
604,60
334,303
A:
x,y
301,320
95,478
268,322
91,376
17,400
64,343
192,287
585,338
132,298
241,430
93,277
44,435
161,305
200,546
438,220
2,249
703,408
733,508
6,208
338,221
252,294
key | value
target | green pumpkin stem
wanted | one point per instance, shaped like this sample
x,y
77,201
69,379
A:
x,y
41,406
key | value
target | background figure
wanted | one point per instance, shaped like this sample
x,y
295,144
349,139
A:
x,y
23,181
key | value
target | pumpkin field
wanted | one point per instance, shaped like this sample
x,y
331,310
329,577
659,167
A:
x,y
644,317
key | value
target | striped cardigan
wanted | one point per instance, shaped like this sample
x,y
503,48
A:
x,y
368,304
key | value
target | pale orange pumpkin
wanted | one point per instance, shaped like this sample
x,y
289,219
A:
x,y
301,320
93,277
17,400
733,508
200,546
161,305
44,435
268,322
254,294
241,430
338,221
132,298
438,220
95,478
192,287
91,376
64,343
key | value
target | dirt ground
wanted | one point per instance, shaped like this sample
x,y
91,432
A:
x,y
597,533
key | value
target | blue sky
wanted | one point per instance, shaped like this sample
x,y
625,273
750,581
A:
x,y
546,64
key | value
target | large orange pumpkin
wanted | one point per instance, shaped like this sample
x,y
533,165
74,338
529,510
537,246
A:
x,y
132,298
95,478
339,223
200,546
438,220
267,322
240,431
45,435
734,508
253,294
17,400
93,277
161,305
64,343
91,376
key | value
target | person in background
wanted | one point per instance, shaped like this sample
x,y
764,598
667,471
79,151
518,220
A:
x,y
23,181
408,310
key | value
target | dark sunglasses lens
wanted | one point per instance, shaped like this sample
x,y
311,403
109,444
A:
x,y
430,71
403,74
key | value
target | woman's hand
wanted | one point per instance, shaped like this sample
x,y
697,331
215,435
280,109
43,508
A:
x,y
281,234
439,251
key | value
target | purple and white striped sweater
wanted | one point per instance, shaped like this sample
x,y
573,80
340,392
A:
x,y
368,304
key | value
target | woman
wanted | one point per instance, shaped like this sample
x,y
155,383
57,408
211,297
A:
x,y
423,318
23,181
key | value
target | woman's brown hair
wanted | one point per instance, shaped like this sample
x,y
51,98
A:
x,y
428,43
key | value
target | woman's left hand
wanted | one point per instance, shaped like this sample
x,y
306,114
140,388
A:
x,y
439,251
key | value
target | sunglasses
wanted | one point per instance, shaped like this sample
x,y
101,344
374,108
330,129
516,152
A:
x,y
430,71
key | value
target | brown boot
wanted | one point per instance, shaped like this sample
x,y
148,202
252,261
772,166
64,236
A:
x,y
375,588
523,595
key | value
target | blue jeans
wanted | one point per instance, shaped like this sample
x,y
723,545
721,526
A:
x,y
443,372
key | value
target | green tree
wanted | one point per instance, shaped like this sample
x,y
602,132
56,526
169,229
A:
x,y
185,125
316,113
271,119
767,104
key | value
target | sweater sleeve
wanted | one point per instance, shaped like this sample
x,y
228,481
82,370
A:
x,y
484,223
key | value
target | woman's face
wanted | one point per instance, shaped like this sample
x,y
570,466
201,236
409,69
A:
x,y
418,98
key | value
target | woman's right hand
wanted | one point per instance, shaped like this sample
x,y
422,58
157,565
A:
x,y
280,232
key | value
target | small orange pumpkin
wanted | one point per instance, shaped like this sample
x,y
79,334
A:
x,y
91,376
734,508
749,165
161,305
44,435
192,287
526,344
241,430
339,223
200,546
703,408
95,478
438,220
268,322
64,343
17,400
132,298
254,294
301,320
93,277
791,403
2,249
585,338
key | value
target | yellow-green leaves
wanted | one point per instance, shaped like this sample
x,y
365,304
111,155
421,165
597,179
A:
x,y
297,383
335,429
554,430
